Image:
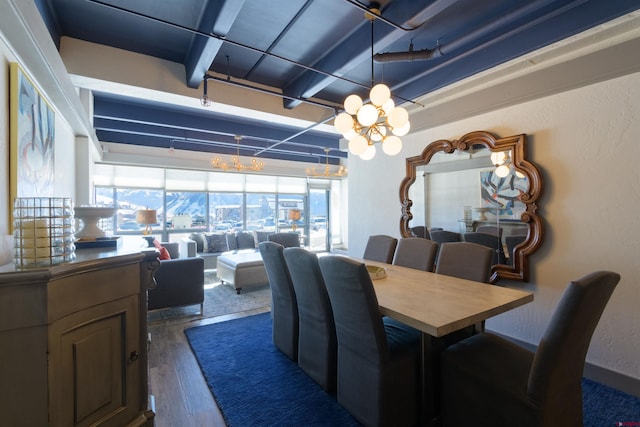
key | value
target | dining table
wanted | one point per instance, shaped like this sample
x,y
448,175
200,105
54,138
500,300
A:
x,y
439,306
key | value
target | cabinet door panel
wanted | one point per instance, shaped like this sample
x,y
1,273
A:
x,y
96,382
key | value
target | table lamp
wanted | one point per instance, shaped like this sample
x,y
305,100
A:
x,y
147,217
294,215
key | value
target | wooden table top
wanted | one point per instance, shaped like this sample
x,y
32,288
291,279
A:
x,y
438,304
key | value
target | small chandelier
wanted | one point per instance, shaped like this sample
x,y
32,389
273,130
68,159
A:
x,y
377,121
255,165
326,171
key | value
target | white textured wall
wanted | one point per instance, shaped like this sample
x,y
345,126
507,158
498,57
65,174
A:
x,y
586,143
64,152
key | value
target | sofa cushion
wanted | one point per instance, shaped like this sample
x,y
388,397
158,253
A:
x,y
261,236
232,242
199,239
245,240
216,242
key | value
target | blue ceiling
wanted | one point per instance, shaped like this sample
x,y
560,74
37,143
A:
x,y
315,51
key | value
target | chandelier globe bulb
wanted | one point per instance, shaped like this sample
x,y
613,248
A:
x,y
352,104
379,94
377,133
391,145
398,117
502,171
350,134
343,122
498,158
369,153
367,115
402,130
388,106
358,145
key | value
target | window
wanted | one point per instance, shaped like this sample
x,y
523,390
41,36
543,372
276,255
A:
x,y
189,201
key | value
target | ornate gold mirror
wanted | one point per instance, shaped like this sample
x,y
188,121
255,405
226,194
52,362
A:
x,y
483,174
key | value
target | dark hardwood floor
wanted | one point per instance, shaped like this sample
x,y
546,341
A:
x,y
181,395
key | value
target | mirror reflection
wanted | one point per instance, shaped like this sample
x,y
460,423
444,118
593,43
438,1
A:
x,y
472,186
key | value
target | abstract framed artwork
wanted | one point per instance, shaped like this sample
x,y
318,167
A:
x,y
503,193
32,138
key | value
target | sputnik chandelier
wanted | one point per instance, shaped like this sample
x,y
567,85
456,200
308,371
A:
x,y
379,120
326,171
255,165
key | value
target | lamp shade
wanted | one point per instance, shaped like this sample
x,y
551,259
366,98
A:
x,y
146,216
294,214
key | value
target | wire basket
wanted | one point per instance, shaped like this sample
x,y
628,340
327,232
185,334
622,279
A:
x,y
43,231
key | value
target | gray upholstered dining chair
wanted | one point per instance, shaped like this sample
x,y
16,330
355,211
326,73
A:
x,y
488,380
378,358
415,252
465,260
380,248
420,231
444,236
288,240
489,240
317,342
284,308
489,229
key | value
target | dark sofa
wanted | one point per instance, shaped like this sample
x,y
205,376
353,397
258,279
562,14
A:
x,y
180,281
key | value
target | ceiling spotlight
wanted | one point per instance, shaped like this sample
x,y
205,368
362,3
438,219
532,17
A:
x,y
205,100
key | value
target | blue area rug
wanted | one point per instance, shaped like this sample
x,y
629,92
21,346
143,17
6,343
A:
x,y
605,406
254,384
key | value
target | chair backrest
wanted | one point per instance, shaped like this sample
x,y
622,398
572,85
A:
x,y
512,242
317,342
311,291
557,369
359,326
489,229
288,240
420,231
380,248
284,307
443,236
415,252
465,260
491,241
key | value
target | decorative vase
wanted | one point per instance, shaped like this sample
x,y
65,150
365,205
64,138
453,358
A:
x,y
90,215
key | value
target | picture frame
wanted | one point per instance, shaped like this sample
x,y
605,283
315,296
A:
x,y
32,138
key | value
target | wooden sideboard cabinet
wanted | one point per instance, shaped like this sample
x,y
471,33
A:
x,y
74,342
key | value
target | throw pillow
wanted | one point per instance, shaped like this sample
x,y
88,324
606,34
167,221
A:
x,y
261,236
199,239
164,253
245,240
216,243
232,243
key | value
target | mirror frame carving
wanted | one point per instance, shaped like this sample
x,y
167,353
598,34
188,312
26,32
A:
x,y
519,270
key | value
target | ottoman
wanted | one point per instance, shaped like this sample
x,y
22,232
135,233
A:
x,y
241,269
